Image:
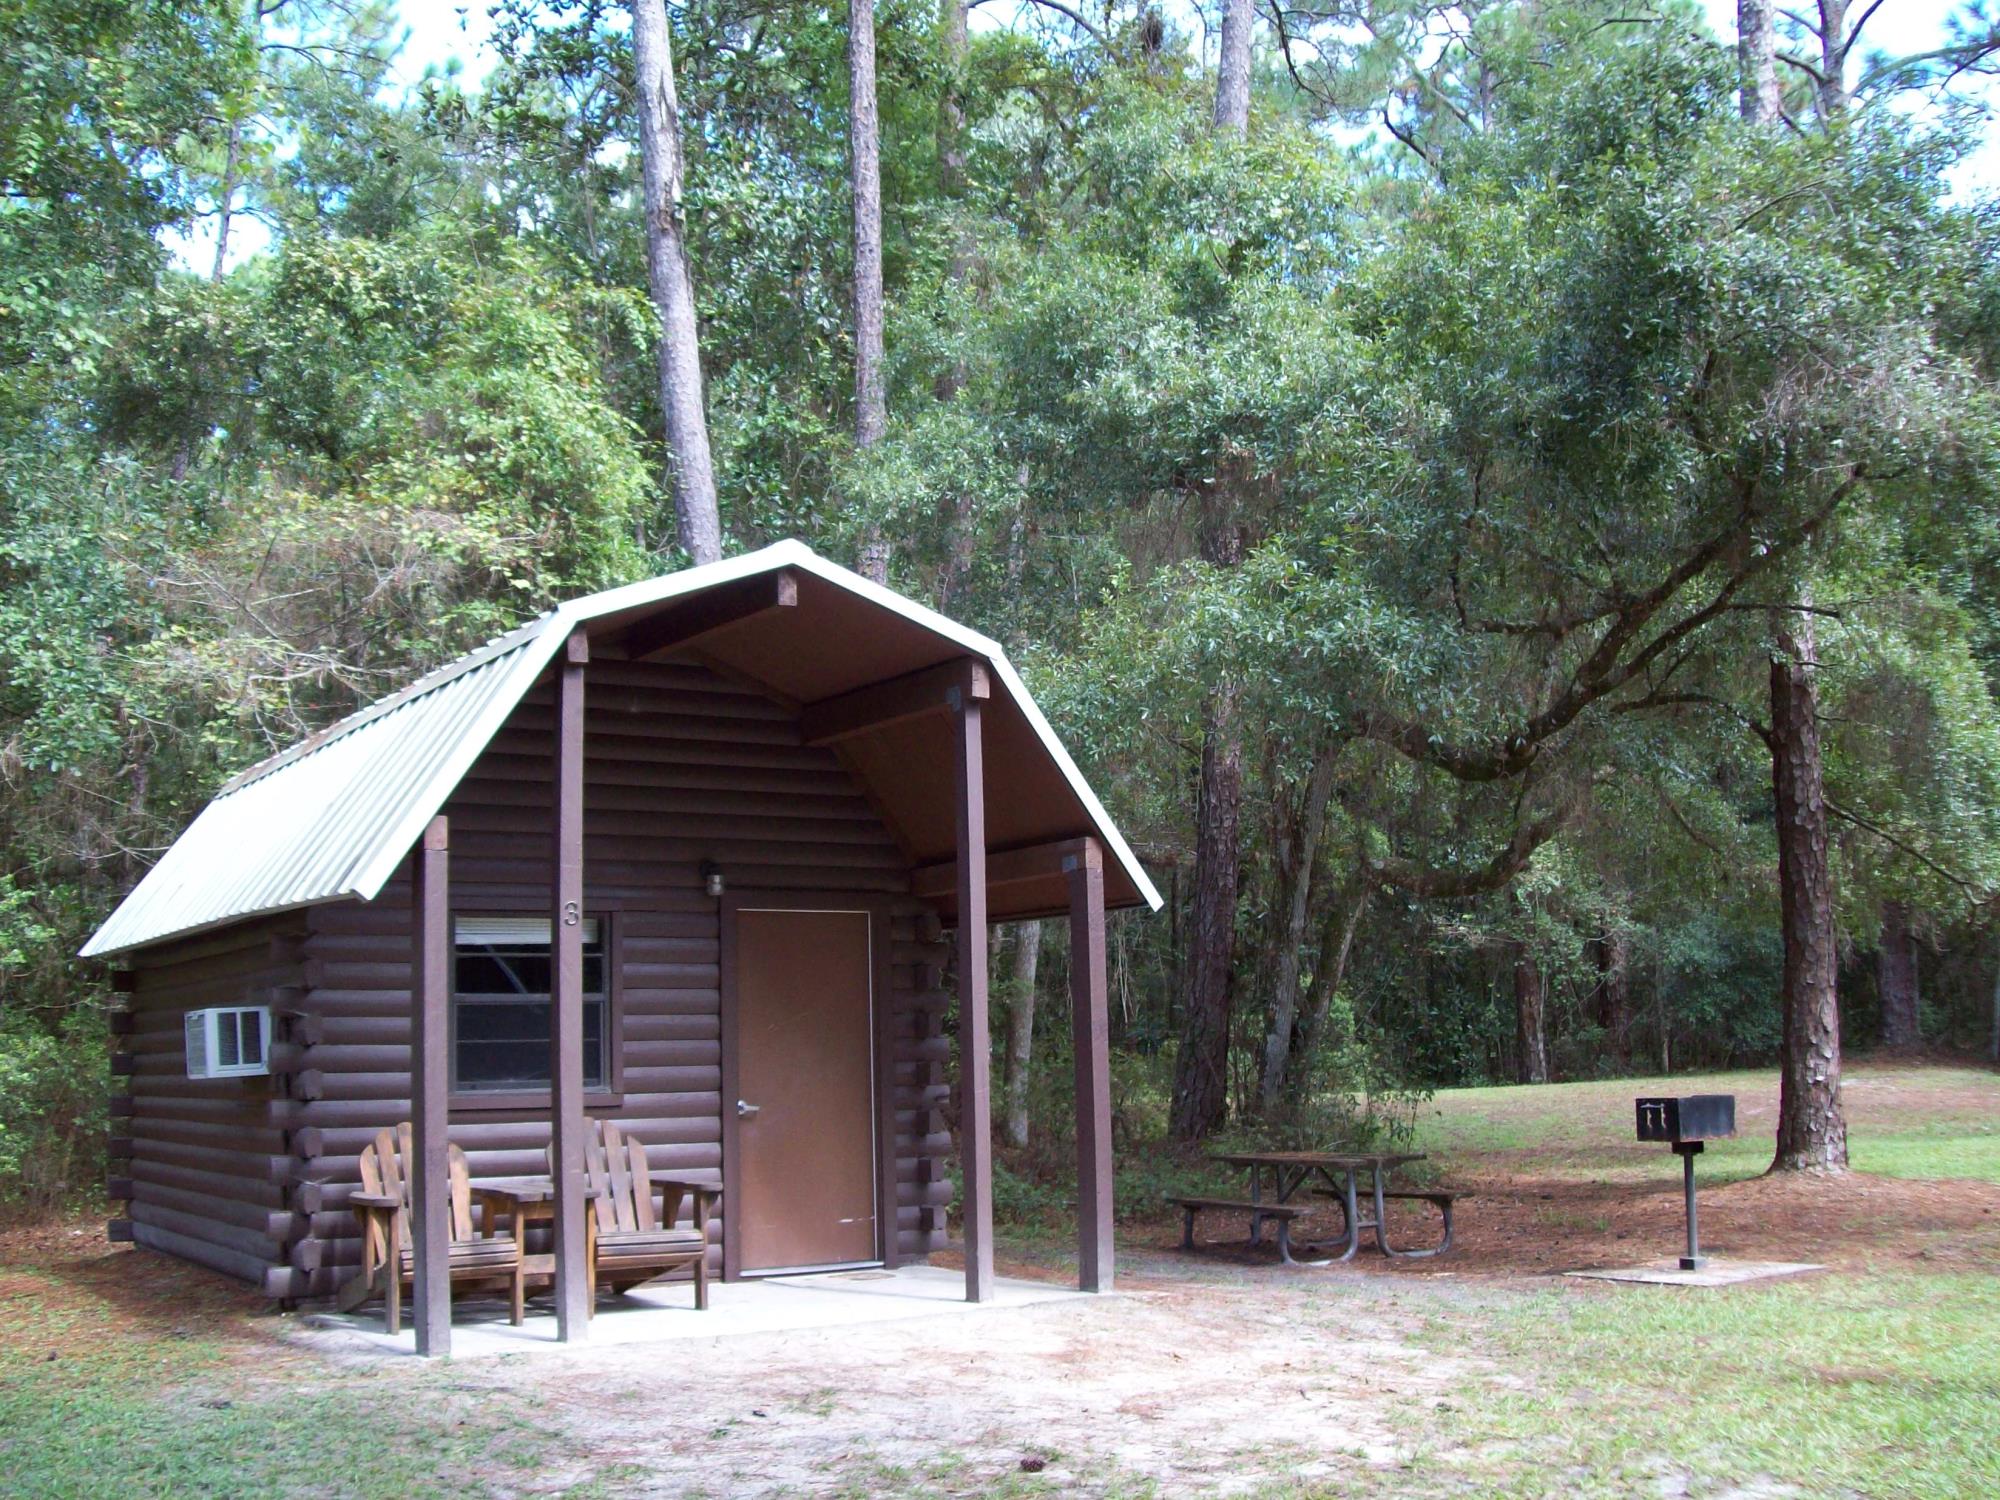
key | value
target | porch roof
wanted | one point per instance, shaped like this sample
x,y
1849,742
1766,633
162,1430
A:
x,y
332,817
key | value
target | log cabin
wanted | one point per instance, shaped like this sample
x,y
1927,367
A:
x,y
682,855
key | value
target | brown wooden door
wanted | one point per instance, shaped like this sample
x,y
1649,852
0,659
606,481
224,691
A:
x,y
805,1128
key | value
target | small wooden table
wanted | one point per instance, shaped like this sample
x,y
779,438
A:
x,y
1290,1171
532,1200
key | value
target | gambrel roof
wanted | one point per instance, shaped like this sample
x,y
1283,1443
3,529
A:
x,y
332,817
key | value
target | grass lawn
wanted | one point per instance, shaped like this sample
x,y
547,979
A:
x,y
127,1374
180,1422
1883,1385
1932,1122
1882,1378
1481,1373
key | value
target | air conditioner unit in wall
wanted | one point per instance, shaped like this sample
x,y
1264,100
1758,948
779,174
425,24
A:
x,y
232,1041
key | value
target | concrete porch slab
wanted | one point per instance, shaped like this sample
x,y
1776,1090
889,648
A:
x,y
1715,1273
665,1312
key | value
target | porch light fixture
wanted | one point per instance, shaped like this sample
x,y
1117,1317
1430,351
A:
x,y
711,877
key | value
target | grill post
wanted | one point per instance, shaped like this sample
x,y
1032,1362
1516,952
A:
x,y
1694,1260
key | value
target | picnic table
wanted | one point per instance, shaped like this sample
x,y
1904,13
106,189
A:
x,y
1338,1174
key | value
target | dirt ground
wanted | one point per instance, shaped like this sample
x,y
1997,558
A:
x,y
1528,1225
1216,1374
1197,1377
1207,1387
1555,1181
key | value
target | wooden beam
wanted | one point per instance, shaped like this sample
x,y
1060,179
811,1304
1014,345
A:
x,y
1091,1039
1004,867
690,620
566,1122
430,1082
881,704
975,1052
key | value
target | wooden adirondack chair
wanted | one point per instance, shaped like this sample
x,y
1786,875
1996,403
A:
x,y
388,1255
632,1242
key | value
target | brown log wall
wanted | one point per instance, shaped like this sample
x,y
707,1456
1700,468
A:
x,y
682,767
205,1165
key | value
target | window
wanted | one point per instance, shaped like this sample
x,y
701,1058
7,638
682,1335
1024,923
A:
x,y
501,971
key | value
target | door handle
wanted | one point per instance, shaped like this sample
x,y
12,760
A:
x,y
744,1111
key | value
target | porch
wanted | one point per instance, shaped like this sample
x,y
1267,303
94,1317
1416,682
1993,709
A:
x,y
664,1312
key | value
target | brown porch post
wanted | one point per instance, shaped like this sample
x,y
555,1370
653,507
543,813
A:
x,y
566,1122
430,1083
975,1052
1091,1030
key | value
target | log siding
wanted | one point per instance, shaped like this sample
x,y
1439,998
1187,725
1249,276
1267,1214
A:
x,y
681,767
205,1166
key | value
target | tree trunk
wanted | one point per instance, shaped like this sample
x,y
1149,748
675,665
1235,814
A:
x,y
1993,1035
695,512
225,209
1833,40
1232,78
1336,942
1297,858
1614,990
958,271
1021,1028
871,406
1200,1101
1530,1019
1757,60
1812,1131
1201,1071
1896,974
951,103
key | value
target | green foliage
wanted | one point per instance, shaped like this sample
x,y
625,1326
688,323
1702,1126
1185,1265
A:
x,y
1391,437
98,105
1034,1191
52,1107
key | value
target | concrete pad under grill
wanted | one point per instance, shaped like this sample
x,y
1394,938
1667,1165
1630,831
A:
x,y
1715,1273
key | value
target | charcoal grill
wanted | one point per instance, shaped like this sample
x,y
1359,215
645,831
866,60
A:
x,y
1687,1123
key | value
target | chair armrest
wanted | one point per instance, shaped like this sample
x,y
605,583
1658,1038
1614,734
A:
x,y
386,1202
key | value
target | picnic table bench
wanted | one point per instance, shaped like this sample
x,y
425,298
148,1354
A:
x,y
1337,1174
1283,1213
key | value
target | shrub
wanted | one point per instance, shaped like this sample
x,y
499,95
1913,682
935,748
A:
x,y
52,1110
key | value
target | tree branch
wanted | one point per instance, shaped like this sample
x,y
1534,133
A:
x,y
1848,815
1607,669
1062,10
1432,883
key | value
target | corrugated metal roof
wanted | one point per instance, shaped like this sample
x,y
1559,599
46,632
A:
x,y
333,816
304,828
